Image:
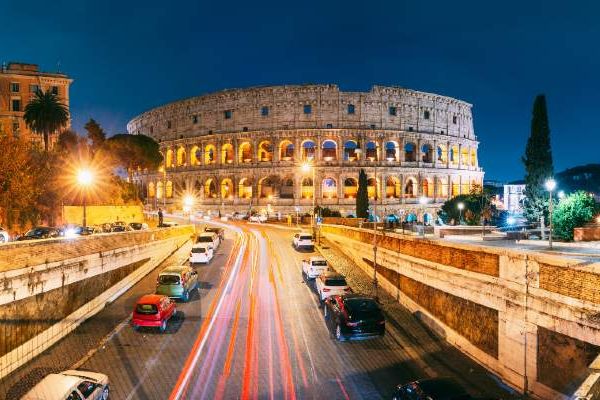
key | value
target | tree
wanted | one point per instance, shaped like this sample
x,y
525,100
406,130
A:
x,y
573,211
95,134
133,151
45,114
362,196
538,162
68,141
476,205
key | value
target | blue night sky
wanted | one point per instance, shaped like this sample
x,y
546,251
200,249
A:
x,y
129,56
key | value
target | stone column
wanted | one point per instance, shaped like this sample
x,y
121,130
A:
x,y
448,154
297,150
401,178
435,153
460,158
275,152
235,152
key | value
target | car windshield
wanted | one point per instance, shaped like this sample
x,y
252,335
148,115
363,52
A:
x,y
168,279
146,309
204,239
335,282
36,232
361,307
319,263
305,237
198,250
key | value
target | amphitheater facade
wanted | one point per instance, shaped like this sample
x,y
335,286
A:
x,y
276,147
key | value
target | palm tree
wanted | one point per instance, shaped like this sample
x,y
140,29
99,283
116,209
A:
x,y
45,114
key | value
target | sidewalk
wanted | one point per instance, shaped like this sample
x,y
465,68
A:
x,y
431,353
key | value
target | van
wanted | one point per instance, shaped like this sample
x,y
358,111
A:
x,y
209,238
177,282
71,384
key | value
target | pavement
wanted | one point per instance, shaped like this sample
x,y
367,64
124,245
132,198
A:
x,y
255,331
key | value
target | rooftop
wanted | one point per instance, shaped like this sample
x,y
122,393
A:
x,y
21,68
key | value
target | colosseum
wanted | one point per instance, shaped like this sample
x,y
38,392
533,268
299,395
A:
x,y
284,148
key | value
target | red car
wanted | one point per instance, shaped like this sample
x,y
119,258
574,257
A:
x,y
153,310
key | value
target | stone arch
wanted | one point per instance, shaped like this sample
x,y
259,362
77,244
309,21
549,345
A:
x,y
210,189
307,188
350,153
329,150
181,156
392,188
169,189
427,153
245,188
453,154
442,154
227,155
309,150
426,187
227,189
287,188
410,187
473,158
286,150
371,151
160,190
169,158
245,153
391,151
267,187
455,187
464,156
442,187
329,188
195,155
210,154
373,188
151,189
410,153
265,151
350,188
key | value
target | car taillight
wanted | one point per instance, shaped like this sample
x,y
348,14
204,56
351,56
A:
x,y
326,290
348,289
351,323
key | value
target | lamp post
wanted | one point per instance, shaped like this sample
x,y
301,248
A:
x,y
550,186
84,178
423,201
460,207
306,167
188,203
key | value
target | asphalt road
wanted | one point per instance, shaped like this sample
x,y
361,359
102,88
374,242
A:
x,y
255,331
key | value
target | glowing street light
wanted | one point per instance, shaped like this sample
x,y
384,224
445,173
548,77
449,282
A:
x,y
460,206
85,178
550,186
561,194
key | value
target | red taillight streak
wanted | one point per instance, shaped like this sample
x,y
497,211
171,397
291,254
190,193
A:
x,y
326,290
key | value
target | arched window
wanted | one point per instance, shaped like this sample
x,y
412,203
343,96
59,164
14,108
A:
x,y
350,188
227,153
245,189
350,151
371,151
181,156
409,188
160,192
372,189
265,151
267,187
245,153
287,189
307,188
169,158
195,156
169,190
227,189
329,188
409,152
427,152
151,190
392,187
391,151
286,151
308,150
210,154
329,150
441,154
210,189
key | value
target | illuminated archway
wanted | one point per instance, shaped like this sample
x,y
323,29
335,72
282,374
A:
x,y
410,153
392,188
410,188
210,154
227,191
308,150
227,153
267,187
391,151
287,188
329,188
265,151
245,153
169,158
350,188
307,188
181,156
210,189
350,153
373,189
427,153
151,190
169,190
286,150
245,188
195,156
329,150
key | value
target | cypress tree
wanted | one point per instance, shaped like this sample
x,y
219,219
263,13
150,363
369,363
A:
x,y
538,162
362,196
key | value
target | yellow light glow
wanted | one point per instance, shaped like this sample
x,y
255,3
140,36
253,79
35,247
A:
x,y
188,201
85,177
306,167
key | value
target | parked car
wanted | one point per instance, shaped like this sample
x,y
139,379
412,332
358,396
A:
x,y
70,385
40,232
177,282
153,310
4,236
209,238
432,389
353,316
313,267
303,240
257,218
201,253
331,284
72,231
168,224
218,231
138,226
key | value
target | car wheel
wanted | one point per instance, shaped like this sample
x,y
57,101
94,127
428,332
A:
x,y
105,393
338,333
163,326
186,296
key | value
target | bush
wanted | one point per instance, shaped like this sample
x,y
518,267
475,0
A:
x,y
573,211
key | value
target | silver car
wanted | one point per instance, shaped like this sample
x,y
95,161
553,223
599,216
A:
x,y
70,384
4,236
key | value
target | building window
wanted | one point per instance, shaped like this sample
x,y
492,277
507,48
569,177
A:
x,y
15,87
426,114
329,126
16,105
264,111
393,111
410,128
373,126
16,128
307,109
168,124
194,119
454,119
227,114
151,129
34,88
245,129
55,90
350,108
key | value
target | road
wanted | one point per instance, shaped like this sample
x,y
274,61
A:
x,y
255,331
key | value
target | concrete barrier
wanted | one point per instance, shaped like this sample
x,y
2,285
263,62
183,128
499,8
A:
x,y
530,318
41,303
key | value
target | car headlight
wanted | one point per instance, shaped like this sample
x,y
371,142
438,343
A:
x,y
70,233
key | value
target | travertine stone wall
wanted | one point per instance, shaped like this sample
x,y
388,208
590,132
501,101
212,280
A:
x,y
244,147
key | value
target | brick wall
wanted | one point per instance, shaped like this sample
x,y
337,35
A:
x,y
570,282
102,214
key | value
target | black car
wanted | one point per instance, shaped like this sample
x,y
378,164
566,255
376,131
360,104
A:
x,y
40,232
218,231
432,389
353,316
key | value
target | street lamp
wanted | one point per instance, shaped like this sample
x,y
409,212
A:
x,y
84,179
550,186
561,194
188,203
423,201
460,207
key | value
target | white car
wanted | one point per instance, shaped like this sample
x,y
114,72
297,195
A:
x,y
210,238
4,236
331,283
201,253
303,240
71,384
314,267
257,218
